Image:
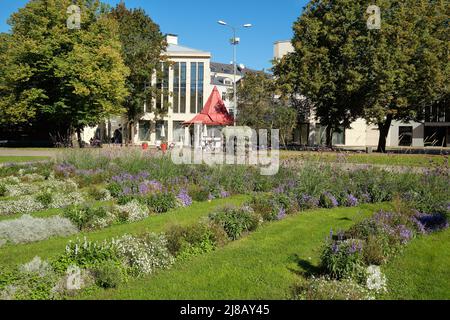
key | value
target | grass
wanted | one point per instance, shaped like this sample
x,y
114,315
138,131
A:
x,y
422,271
12,255
407,160
263,265
15,159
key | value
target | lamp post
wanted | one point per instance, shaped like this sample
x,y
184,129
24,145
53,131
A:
x,y
234,42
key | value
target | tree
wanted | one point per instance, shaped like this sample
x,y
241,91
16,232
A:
x,y
347,70
142,47
407,62
66,78
321,70
260,108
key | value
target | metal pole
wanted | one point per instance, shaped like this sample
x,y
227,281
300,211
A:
x,y
234,75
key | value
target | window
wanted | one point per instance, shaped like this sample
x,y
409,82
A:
x,y
178,131
162,84
160,125
405,136
224,96
183,87
176,88
201,68
193,87
144,130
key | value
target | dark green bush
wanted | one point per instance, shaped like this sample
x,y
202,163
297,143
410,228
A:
x,y
2,190
45,198
109,274
115,189
236,221
343,259
83,216
160,202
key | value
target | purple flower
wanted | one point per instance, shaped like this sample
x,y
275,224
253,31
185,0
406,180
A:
x,y
308,202
352,201
211,197
281,214
329,200
335,247
405,234
184,198
428,223
224,194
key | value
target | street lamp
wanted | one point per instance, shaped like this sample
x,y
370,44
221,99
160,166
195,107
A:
x,y
234,42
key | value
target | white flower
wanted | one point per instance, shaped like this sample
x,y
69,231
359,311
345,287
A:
x,y
376,281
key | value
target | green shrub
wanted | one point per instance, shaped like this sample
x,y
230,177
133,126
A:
x,y
198,193
343,259
45,198
195,239
330,289
3,190
236,221
109,274
84,216
98,193
115,189
161,202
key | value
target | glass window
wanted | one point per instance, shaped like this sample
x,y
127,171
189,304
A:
x,y
178,131
159,130
193,87
144,130
200,87
321,139
224,96
183,87
176,87
165,85
405,136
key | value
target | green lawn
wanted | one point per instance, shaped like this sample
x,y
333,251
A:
x,y
263,265
12,255
423,270
14,159
414,160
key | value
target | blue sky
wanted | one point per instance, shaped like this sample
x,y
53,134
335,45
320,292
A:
x,y
195,23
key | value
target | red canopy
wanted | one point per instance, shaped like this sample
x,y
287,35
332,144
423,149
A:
x,y
214,113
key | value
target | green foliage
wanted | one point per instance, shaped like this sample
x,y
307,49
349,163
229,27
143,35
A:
x,y
236,221
343,259
45,198
84,216
109,274
161,202
3,190
68,78
142,44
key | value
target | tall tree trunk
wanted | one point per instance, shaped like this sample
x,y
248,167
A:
x,y
329,136
131,139
80,142
384,128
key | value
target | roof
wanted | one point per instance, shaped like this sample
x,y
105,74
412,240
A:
x,y
176,48
217,67
214,113
220,81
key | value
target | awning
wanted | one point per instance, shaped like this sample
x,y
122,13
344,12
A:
x,y
214,113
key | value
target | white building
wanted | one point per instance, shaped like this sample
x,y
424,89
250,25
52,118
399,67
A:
x,y
435,131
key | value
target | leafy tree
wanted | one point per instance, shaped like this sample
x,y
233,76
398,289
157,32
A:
x,y
67,78
260,108
142,45
348,71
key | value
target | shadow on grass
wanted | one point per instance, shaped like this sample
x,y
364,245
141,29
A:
x,y
307,269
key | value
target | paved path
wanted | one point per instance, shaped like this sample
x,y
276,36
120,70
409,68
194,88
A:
x,y
44,152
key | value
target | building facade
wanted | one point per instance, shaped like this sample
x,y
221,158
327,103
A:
x,y
433,132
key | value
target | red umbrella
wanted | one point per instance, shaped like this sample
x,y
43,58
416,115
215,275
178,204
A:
x,y
214,113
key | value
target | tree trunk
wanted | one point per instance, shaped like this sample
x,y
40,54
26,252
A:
x,y
329,137
131,133
384,128
80,142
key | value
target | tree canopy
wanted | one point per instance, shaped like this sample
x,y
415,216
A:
x,y
347,70
68,78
